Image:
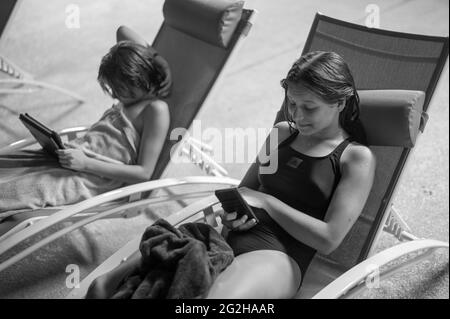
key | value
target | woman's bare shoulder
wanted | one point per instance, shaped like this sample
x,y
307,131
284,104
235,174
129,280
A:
x,y
283,130
357,155
150,114
155,109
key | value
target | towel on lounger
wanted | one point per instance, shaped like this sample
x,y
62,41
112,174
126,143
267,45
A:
x,y
177,263
34,179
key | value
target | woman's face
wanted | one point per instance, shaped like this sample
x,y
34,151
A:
x,y
133,95
310,113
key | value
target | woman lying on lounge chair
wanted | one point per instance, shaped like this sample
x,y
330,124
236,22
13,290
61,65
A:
x,y
323,179
121,148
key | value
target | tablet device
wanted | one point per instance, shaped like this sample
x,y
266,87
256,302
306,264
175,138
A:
x,y
232,201
47,138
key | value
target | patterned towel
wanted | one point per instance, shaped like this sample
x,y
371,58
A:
x,y
34,179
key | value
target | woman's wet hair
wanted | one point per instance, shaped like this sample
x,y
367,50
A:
x,y
128,65
328,76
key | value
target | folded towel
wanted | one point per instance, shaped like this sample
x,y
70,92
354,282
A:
x,y
34,179
177,263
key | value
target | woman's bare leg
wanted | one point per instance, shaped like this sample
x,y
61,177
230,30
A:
x,y
105,285
259,274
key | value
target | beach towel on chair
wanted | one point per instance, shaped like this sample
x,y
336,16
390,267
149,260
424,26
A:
x,y
177,263
34,179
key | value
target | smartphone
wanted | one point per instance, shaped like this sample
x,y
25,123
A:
x,y
232,201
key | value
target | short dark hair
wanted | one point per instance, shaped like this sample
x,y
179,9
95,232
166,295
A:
x,y
128,65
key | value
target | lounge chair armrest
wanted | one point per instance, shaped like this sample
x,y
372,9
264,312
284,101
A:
x,y
15,239
358,274
71,133
132,246
18,145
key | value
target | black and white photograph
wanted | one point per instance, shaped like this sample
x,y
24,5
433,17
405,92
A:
x,y
237,151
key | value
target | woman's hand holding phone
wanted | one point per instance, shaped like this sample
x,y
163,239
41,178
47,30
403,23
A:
x,y
231,219
232,222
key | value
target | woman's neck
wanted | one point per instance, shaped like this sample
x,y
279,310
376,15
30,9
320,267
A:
x,y
136,103
330,133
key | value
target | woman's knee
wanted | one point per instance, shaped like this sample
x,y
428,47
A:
x,y
258,274
97,289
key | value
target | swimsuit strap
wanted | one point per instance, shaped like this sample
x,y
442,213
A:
x,y
341,147
335,156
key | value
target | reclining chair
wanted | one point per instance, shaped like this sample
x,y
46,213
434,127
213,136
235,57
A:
x,y
198,44
396,74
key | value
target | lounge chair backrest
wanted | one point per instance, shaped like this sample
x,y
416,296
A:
x,y
196,38
380,60
7,8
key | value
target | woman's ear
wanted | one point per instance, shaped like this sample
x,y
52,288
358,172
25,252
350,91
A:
x,y
341,105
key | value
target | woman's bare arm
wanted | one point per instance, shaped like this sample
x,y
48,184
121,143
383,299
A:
x,y
125,33
358,168
156,118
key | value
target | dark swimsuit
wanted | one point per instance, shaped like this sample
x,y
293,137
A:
x,y
303,182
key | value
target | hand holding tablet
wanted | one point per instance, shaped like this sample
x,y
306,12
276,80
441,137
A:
x,y
47,138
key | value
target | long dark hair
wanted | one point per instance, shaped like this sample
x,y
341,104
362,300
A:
x,y
128,64
327,75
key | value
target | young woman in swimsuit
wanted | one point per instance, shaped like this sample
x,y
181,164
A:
x,y
324,176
